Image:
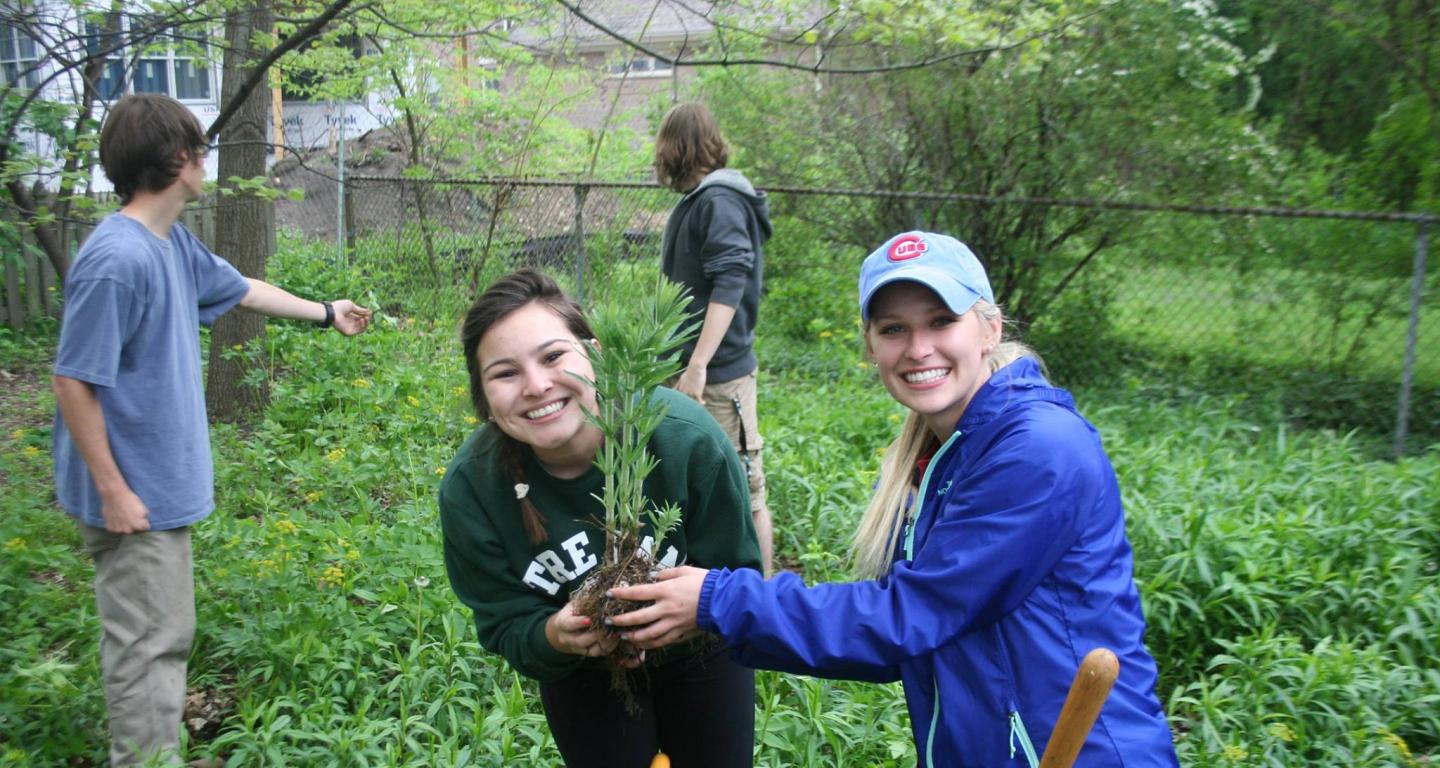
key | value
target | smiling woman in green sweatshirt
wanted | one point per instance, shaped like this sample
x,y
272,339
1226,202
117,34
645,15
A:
x,y
519,514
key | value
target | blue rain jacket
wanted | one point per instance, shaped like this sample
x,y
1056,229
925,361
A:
x,y
1016,566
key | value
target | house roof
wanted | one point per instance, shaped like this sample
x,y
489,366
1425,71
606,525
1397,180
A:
x,y
670,23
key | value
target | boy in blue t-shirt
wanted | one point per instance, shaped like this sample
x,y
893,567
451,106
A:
x,y
131,444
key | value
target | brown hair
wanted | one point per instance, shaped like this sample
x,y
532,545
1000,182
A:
x,y
688,141
504,297
147,138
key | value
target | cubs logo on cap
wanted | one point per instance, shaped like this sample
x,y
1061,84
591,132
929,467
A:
x,y
907,247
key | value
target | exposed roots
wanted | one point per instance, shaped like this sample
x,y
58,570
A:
x,y
634,567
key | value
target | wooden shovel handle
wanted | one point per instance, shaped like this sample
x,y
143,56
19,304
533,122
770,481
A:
x,y
1087,695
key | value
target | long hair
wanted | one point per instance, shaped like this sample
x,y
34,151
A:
x,y
689,140
879,533
504,297
146,140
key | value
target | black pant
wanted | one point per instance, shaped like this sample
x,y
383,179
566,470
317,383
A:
x,y
700,711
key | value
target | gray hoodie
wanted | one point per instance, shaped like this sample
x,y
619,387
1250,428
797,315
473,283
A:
x,y
712,246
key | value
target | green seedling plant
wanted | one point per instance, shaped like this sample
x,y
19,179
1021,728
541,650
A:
x,y
635,351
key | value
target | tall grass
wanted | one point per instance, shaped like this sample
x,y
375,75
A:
x,y
1289,579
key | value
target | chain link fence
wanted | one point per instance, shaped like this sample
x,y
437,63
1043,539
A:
x,y
1320,310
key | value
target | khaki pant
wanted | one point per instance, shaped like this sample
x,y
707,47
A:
x,y
720,402
145,596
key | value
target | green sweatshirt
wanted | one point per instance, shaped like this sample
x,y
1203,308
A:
x,y
514,586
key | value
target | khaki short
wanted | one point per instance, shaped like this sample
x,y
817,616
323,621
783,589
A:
x,y
720,402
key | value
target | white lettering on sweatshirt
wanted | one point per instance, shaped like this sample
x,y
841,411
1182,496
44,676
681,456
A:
x,y
550,563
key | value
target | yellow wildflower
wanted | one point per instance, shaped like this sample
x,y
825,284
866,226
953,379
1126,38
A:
x,y
1395,741
439,471
361,383
471,420
894,418
862,365
335,455
313,496
413,400
1236,753
1282,732
458,391
826,334
19,434
352,555
334,576
16,544
286,527
31,450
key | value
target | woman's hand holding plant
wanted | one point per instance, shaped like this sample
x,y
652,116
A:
x,y
569,632
671,617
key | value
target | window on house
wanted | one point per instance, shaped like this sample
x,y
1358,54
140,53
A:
x,y
488,72
642,65
141,57
19,57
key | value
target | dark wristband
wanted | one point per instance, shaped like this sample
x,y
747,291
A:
x,y
329,316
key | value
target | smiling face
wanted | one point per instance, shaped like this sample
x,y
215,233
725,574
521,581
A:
x,y
526,362
930,359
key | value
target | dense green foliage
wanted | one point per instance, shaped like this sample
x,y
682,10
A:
x,y
1292,103
1289,578
1242,371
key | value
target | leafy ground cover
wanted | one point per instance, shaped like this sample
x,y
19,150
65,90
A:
x,y
1289,577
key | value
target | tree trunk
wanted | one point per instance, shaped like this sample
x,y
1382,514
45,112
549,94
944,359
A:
x,y
245,223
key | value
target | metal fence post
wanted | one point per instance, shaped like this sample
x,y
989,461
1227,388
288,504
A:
x,y
340,185
581,192
14,304
34,297
1407,375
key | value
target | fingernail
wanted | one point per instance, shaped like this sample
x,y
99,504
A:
x,y
654,574
609,595
587,620
608,622
624,635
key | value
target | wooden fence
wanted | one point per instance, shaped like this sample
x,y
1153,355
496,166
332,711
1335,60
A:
x,y
32,290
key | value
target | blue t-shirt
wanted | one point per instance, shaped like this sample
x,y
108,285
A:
x,y
134,303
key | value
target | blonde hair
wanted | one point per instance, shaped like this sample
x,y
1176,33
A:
x,y
879,533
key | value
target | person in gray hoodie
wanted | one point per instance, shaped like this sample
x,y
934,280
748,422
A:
x,y
713,246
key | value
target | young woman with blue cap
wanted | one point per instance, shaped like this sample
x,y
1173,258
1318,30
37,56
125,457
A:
x,y
995,544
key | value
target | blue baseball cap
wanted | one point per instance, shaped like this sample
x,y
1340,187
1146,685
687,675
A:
x,y
938,262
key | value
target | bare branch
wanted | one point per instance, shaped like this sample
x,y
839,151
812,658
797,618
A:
x,y
818,67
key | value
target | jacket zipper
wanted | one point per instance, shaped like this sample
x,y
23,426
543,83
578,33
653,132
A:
x,y
1017,729
910,555
1017,725
920,497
